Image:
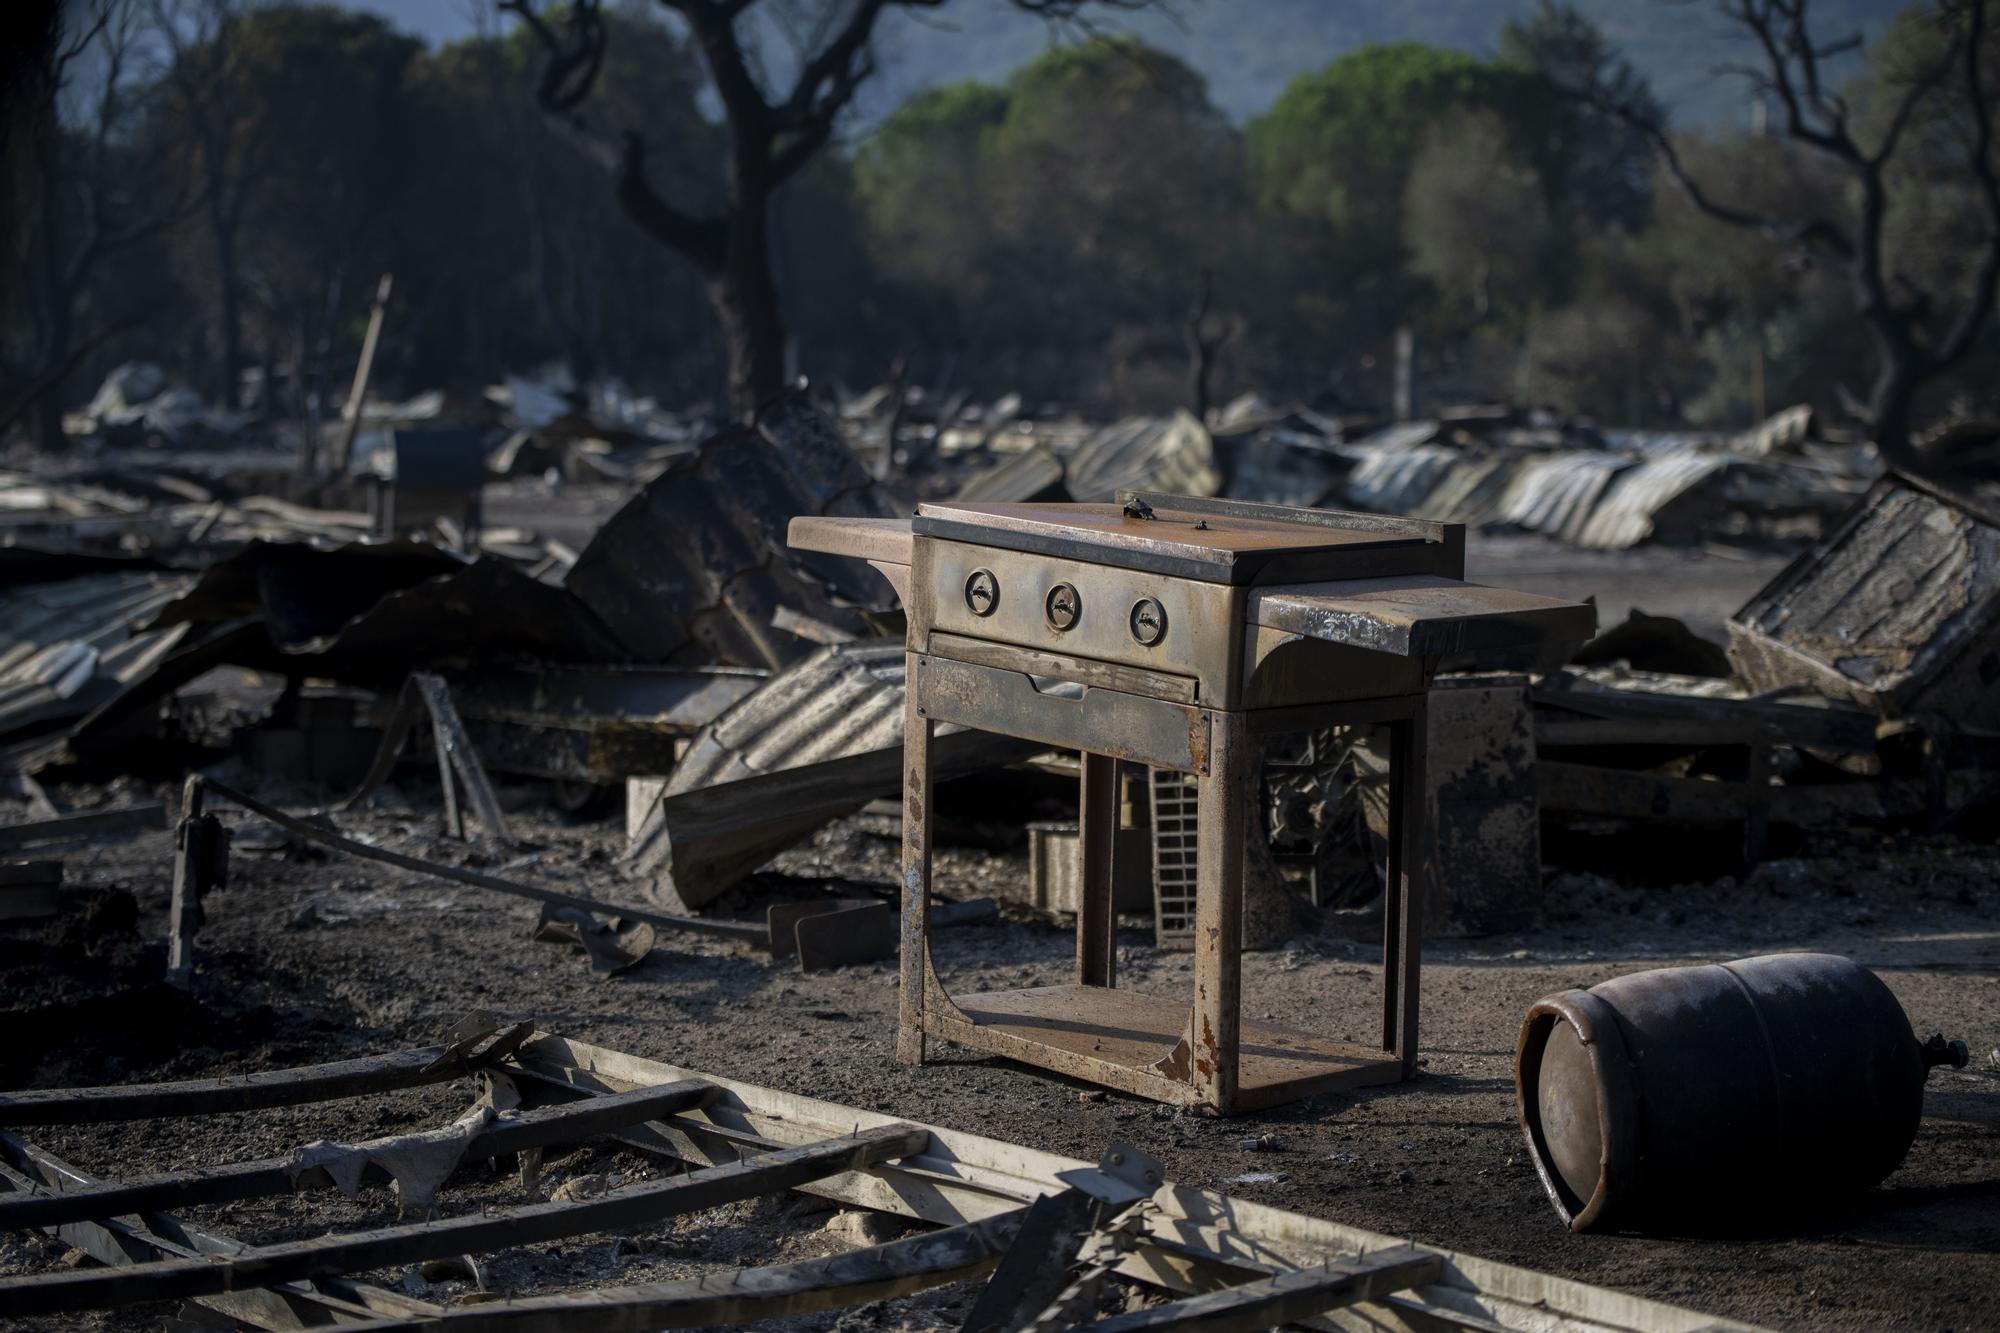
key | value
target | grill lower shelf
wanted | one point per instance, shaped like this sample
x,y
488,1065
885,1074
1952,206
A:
x,y
1115,1037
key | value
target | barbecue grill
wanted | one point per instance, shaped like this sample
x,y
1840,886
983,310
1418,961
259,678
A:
x,y
1177,632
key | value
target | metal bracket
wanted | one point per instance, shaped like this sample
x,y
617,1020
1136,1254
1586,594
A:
x,y
1123,1178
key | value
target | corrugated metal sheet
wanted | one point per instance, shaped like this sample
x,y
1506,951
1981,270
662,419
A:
x,y
1278,465
1401,435
1471,492
1171,454
68,646
841,700
1556,495
693,569
1398,479
1624,515
1034,474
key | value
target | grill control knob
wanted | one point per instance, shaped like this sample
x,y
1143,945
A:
x,y
1149,621
1064,606
982,592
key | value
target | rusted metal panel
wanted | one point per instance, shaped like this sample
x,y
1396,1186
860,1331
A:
x,y
1420,616
1484,810
694,568
1897,609
1198,615
1220,542
1127,726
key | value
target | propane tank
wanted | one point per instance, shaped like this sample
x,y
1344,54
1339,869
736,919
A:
x,y
1766,1083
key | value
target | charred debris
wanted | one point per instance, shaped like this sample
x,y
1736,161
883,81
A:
x,y
546,605
186,602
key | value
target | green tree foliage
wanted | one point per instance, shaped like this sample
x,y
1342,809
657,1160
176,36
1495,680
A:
x,y
923,183
1064,234
1007,213
1476,220
1337,145
921,176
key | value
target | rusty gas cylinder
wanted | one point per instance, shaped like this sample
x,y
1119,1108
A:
x,y
1687,1094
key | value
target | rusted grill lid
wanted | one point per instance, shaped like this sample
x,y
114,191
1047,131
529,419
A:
x,y
1214,541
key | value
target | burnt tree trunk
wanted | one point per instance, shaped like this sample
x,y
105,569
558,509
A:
x,y
1891,409
772,134
744,295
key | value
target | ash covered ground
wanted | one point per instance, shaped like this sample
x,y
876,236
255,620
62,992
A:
x,y
309,956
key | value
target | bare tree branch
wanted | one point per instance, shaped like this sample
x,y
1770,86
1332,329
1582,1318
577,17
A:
x,y
568,78
1895,310
571,71
772,137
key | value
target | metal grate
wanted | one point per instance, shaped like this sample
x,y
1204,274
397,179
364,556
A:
x,y
1173,858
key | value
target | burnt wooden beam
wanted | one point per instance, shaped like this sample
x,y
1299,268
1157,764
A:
x,y
122,1241
253,1092
282,1175
96,824
1284,1298
201,863
747,931
1037,1265
637,1205
742,1295
456,755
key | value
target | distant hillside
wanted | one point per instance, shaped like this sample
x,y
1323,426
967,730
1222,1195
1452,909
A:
x,y
1249,49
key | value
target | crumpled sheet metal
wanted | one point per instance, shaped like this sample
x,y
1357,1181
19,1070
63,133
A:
x,y
416,1164
1626,513
1665,489
841,700
695,567
1174,455
1556,495
69,646
1399,479
1897,609
370,611
611,947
